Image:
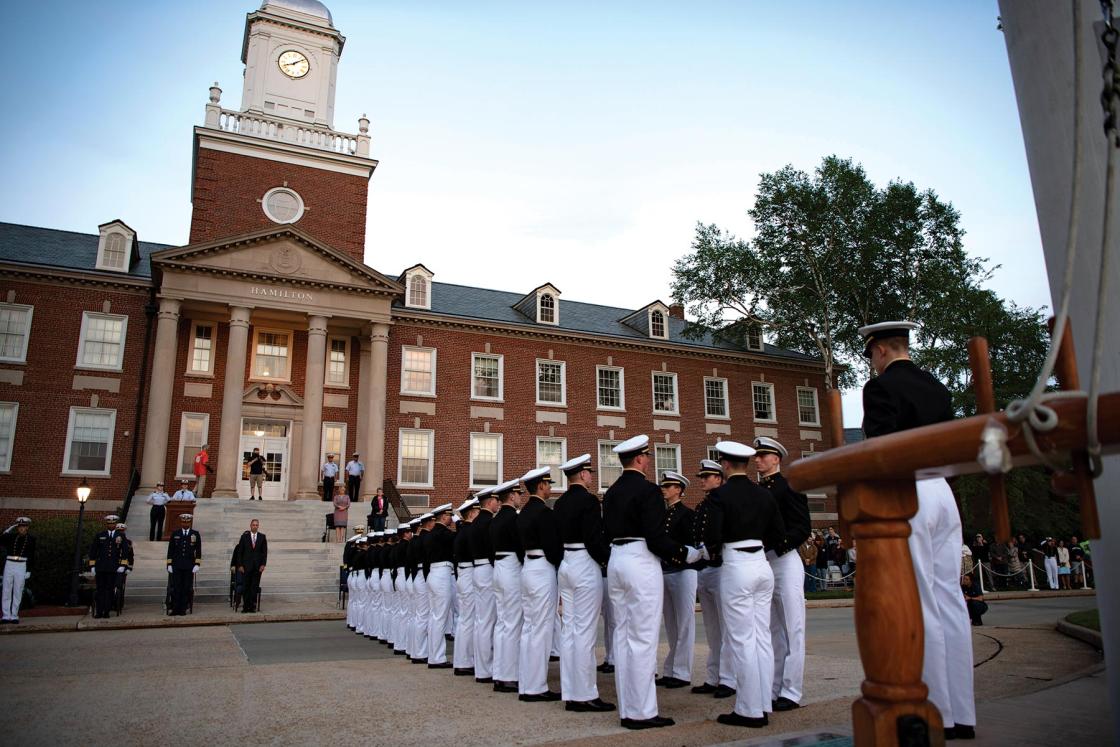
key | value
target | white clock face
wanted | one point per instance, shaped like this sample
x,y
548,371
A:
x,y
293,64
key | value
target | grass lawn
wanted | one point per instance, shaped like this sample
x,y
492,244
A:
x,y
1087,619
831,594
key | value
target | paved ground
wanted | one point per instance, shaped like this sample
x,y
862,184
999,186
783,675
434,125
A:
x,y
315,682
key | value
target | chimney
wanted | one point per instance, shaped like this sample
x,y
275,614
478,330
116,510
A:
x,y
676,311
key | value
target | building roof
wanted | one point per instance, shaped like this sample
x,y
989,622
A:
x,y
853,435
50,247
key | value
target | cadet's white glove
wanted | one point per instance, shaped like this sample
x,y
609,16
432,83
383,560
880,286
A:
x,y
704,553
194,570
121,569
26,575
169,569
692,555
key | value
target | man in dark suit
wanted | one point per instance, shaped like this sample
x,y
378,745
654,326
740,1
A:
x,y
105,556
252,557
184,556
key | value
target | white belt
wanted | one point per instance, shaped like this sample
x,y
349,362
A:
x,y
575,546
17,559
441,564
742,543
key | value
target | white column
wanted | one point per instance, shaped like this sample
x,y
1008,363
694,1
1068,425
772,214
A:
x,y
373,402
229,444
159,397
313,407
360,406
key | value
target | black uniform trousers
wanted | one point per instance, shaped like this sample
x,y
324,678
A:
x,y
106,591
155,530
182,583
353,486
252,587
328,488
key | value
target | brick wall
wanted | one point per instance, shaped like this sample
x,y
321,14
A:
x,y
228,189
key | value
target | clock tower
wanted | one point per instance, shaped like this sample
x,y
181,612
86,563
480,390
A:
x,y
279,159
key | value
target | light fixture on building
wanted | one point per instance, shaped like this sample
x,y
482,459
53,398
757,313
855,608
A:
x,y
258,433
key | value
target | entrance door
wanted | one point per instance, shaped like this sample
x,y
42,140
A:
x,y
271,437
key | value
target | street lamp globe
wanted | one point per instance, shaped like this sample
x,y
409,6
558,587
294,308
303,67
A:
x,y
83,491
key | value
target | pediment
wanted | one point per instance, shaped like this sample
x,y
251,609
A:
x,y
285,255
271,394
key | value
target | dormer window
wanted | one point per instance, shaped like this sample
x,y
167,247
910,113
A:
x,y
754,337
547,309
116,247
657,324
418,287
542,305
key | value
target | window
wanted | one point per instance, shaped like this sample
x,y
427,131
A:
x,y
334,442
486,376
418,291
550,383
338,362
8,414
807,412
486,459
114,251
609,467
666,457
414,466
282,205
547,309
754,337
102,341
665,394
192,435
763,396
272,355
89,441
657,324
15,329
202,349
551,453
418,371
713,453
715,397
612,395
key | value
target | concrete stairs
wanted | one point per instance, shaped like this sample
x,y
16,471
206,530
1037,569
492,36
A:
x,y
300,566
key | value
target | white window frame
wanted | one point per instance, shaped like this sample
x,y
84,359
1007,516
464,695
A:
x,y
345,339
70,441
726,399
773,403
431,436
712,453
408,300
816,406
86,316
653,391
600,470
664,323
555,308
501,458
195,326
676,449
287,377
103,250
501,377
22,356
621,389
559,479
755,331
563,383
6,464
418,393
179,474
340,454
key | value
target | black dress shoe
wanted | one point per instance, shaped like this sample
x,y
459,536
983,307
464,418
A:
x,y
505,687
484,680
398,652
588,706
350,626
647,723
962,731
605,668
547,695
670,683
448,637
464,671
418,661
734,719
554,658
723,691
705,689
441,665
784,704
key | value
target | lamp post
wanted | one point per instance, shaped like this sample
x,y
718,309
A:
x,y
83,496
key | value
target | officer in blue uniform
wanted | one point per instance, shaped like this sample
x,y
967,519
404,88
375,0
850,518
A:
x,y
184,556
105,556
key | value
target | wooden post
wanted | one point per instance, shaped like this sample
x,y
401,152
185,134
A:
x,y
894,708
980,363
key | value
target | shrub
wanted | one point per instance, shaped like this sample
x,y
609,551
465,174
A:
x,y
54,555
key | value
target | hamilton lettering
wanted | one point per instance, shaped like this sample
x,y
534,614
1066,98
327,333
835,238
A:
x,y
291,295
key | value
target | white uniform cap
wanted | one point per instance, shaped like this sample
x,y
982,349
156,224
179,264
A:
x,y
506,486
427,516
674,478
468,504
709,467
389,532
635,445
440,510
186,517
379,534
483,493
23,521
536,474
767,445
112,517
455,518
575,465
883,330
122,525
363,540
734,450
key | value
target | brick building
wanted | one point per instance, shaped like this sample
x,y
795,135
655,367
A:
x,y
268,330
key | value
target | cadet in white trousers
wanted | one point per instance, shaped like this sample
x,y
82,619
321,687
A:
x,y
679,609
422,607
19,550
900,397
438,560
485,604
464,589
506,545
634,522
389,599
719,675
580,522
540,538
348,570
787,613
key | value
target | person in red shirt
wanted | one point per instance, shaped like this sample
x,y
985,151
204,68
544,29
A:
x,y
201,468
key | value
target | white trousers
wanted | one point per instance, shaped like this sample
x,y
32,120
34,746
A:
x,y
387,602
399,611
608,624
422,612
1051,566
507,628
718,670
581,597
485,613
787,625
441,590
15,572
373,586
451,619
746,587
637,595
408,618
359,590
464,628
538,614
351,603
680,623
935,547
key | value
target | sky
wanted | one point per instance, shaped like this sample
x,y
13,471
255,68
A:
x,y
576,143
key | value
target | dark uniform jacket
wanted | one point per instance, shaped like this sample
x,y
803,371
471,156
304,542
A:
x,y
481,547
707,530
18,545
462,547
438,547
749,512
503,533
107,553
247,555
903,397
414,555
538,530
678,525
580,519
795,511
184,552
634,507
